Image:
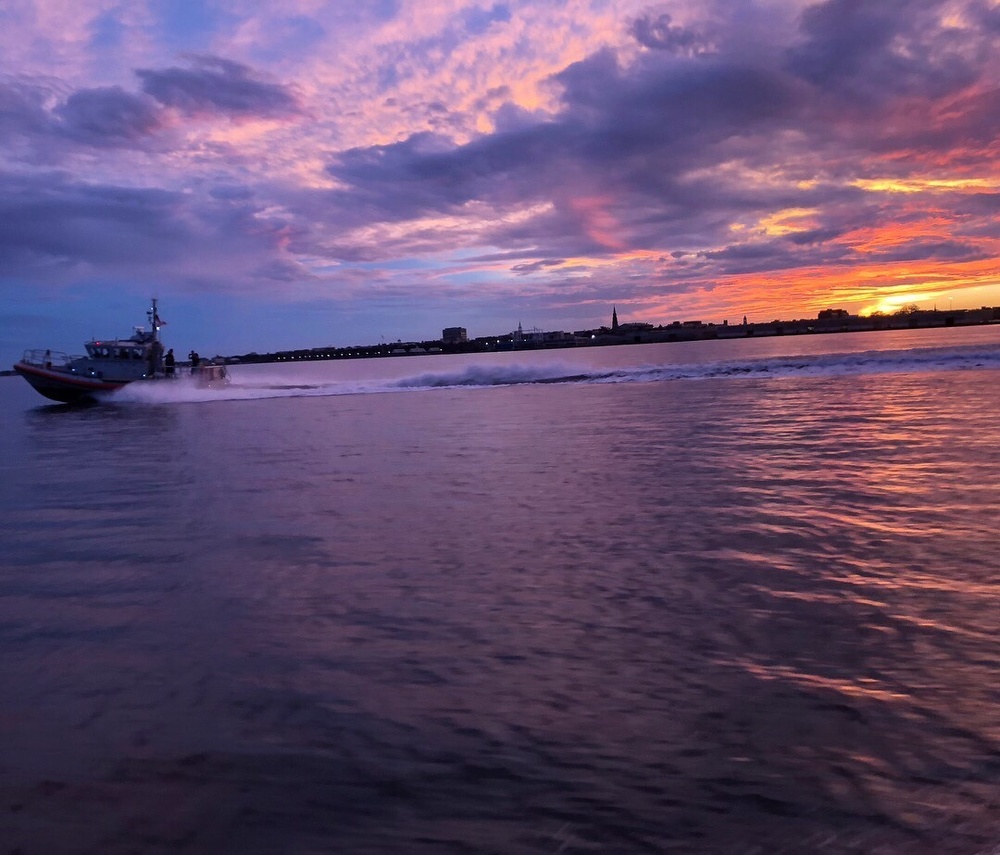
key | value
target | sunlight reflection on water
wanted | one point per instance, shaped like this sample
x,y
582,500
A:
x,y
704,615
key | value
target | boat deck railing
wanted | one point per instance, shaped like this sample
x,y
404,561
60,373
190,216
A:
x,y
47,358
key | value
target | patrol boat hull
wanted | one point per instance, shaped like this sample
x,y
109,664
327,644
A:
x,y
62,385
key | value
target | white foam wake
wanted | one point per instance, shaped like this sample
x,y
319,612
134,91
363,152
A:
x,y
249,384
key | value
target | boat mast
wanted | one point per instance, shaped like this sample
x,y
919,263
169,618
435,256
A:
x,y
154,321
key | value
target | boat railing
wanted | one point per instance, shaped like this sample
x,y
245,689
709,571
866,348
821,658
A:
x,y
47,358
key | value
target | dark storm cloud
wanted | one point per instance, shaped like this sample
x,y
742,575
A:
x,y
219,86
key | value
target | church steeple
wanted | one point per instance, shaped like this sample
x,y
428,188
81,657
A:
x,y
614,319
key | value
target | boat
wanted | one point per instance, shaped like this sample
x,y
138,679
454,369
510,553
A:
x,y
210,375
109,365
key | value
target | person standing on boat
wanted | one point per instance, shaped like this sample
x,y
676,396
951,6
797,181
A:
x,y
155,358
169,362
195,361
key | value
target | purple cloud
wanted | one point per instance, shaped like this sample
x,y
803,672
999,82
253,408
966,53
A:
x,y
108,117
875,51
48,220
54,226
625,134
219,86
36,130
646,140
536,266
21,110
659,33
727,137
931,250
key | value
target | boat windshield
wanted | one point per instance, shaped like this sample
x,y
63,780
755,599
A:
x,y
115,350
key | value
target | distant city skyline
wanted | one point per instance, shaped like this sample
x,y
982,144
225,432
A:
x,y
457,340
284,174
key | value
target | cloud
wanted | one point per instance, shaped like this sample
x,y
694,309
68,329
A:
x,y
876,51
22,111
38,126
55,227
652,160
108,116
931,250
219,86
43,123
628,136
508,151
477,19
536,266
49,221
657,32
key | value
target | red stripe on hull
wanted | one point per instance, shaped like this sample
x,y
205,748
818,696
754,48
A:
x,y
60,386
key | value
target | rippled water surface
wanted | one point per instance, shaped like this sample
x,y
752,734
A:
x,y
731,598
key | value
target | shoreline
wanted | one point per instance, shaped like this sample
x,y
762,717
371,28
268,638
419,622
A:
x,y
628,334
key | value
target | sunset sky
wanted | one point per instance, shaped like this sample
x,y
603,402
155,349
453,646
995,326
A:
x,y
310,173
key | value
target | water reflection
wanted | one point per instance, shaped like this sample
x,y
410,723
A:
x,y
641,617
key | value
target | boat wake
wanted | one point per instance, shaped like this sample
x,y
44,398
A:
x,y
250,384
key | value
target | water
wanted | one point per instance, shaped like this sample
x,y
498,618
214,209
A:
x,y
712,597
